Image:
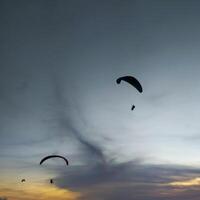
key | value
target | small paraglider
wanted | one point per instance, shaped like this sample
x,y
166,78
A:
x,y
23,180
132,108
132,81
54,156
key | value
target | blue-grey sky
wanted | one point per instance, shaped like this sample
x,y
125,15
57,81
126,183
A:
x,y
58,94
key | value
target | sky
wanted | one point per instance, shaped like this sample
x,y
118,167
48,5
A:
x,y
59,61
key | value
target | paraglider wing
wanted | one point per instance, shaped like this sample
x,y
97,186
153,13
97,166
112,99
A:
x,y
23,180
131,80
54,156
51,181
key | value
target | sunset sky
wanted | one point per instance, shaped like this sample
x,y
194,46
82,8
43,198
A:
x,y
58,95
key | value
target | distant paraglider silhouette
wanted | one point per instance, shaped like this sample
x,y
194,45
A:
x,y
132,108
54,156
23,180
133,81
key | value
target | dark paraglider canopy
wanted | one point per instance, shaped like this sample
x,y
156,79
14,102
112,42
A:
x,y
131,80
54,156
23,180
51,181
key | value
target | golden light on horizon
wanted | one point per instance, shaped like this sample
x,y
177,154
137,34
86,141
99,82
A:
x,y
28,191
185,183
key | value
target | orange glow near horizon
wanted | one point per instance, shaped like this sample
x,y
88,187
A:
x,y
33,191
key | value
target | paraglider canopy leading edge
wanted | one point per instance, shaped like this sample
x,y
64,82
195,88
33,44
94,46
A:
x,y
131,80
54,156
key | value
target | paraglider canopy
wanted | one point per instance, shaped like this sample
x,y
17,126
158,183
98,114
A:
x,y
54,156
23,180
51,181
131,80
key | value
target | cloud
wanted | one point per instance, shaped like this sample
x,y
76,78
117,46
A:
x,y
131,180
3,198
71,125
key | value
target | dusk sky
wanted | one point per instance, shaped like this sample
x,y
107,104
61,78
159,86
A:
x,y
58,95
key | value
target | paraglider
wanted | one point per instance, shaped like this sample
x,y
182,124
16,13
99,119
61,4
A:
x,y
132,108
23,180
54,156
132,81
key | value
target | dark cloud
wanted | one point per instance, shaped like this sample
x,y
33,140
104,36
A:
x,y
131,180
3,198
142,193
